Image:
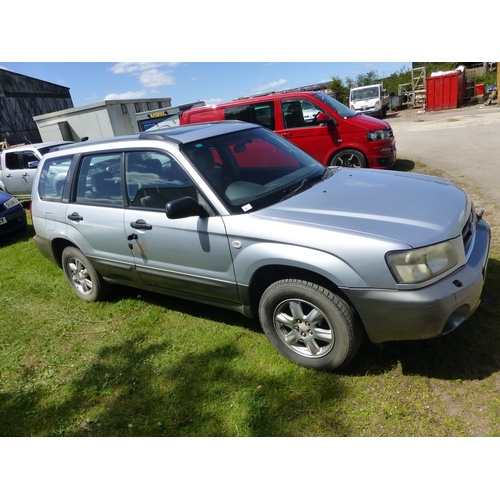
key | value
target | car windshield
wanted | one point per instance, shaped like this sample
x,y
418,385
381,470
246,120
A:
x,y
340,108
253,168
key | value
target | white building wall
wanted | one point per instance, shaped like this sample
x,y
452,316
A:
x,y
96,121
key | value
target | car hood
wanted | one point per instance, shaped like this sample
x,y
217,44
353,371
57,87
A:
x,y
413,209
370,122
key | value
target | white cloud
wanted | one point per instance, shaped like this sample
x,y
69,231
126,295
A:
x,y
126,95
149,74
269,86
156,78
213,101
138,67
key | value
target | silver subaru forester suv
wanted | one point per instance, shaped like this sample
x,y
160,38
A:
x,y
233,215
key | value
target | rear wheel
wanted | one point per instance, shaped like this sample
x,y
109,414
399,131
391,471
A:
x,y
81,275
309,324
349,158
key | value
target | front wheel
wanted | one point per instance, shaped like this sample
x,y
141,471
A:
x,y
349,158
309,324
81,275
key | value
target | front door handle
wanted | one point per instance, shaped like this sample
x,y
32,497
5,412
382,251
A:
x,y
141,224
75,216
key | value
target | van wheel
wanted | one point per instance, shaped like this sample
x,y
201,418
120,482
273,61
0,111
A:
x,y
349,158
85,281
309,324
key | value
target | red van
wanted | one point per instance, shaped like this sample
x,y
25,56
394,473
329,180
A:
x,y
315,122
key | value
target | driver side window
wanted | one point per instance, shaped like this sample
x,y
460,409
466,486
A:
x,y
154,178
299,113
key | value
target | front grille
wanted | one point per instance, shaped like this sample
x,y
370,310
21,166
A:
x,y
468,231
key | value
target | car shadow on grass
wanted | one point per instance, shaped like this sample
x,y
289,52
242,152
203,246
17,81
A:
x,y
126,391
185,306
403,165
132,387
21,236
472,352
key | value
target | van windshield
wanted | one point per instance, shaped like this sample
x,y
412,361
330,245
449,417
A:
x,y
365,93
340,108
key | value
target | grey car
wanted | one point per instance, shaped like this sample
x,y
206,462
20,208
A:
x,y
231,214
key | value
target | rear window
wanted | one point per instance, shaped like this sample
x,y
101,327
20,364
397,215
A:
x,y
99,180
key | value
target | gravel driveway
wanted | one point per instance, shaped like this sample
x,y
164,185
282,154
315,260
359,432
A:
x,y
463,142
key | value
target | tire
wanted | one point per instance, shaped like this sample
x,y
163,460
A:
x,y
349,158
81,275
309,324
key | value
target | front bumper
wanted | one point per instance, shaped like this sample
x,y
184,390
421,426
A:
x,y
384,156
428,312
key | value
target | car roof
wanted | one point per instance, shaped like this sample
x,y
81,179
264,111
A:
x,y
181,134
198,131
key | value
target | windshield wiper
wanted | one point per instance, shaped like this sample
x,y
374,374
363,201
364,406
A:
x,y
305,182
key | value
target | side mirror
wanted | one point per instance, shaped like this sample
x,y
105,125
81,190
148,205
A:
x,y
33,164
184,207
323,118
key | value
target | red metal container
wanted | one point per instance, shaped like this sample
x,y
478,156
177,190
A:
x,y
445,91
480,89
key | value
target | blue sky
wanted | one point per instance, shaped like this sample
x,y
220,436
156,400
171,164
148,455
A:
x,y
212,82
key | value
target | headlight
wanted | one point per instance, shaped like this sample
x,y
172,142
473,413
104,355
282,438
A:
x,y
379,135
422,264
12,202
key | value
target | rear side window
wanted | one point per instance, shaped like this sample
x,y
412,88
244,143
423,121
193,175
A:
x,y
52,178
261,114
99,180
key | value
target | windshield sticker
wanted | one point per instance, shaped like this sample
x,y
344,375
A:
x,y
246,208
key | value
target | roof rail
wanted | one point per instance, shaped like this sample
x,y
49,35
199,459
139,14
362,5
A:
x,y
307,88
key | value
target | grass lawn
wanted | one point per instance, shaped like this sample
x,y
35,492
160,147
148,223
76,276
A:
x,y
141,364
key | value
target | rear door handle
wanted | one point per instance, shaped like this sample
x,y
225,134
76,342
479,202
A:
x,y
75,216
141,224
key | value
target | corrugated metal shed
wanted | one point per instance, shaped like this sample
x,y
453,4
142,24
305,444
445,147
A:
x,y
21,98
